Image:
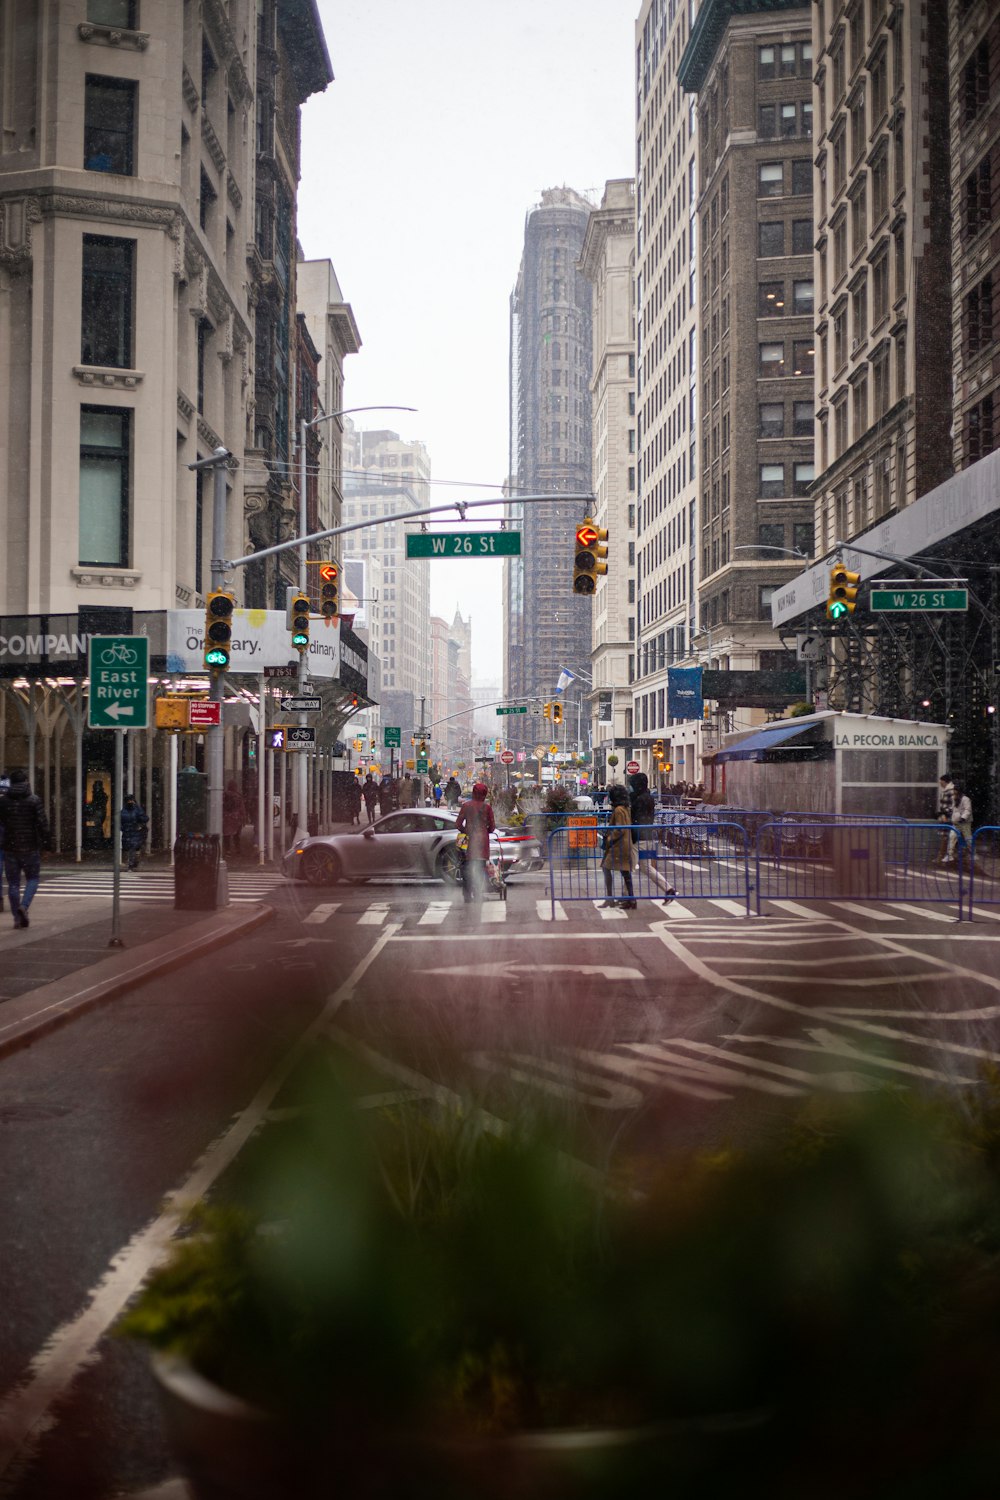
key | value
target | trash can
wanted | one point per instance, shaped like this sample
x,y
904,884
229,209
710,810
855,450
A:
x,y
196,872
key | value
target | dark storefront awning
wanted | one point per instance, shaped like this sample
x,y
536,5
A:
x,y
764,739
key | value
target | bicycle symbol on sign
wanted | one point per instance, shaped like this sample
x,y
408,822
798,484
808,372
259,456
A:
x,y
119,655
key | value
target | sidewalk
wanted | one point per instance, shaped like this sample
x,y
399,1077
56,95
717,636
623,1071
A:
x,y
62,965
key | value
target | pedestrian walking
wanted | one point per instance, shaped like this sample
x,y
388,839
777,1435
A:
x,y
643,806
452,792
25,833
619,850
961,819
437,794
356,801
407,791
386,795
370,793
946,807
134,823
475,819
234,816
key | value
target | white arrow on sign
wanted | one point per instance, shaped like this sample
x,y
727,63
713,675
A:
x,y
508,970
120,711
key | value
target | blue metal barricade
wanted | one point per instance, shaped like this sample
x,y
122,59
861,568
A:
x,y
860,860
984,867
704,861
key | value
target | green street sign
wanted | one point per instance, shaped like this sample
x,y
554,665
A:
x,y
886,601
423,765
463,544
118,668
521,708
391,737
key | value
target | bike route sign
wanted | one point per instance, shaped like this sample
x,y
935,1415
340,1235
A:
x,y
118,668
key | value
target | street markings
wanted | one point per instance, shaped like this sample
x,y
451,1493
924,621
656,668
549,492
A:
x,y
435,914
494,913
868,911
544,910
610,913
323,912
375,915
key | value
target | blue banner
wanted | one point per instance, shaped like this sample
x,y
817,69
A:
x,y
684,700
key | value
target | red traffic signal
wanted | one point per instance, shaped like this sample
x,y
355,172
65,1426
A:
x,y
586,535
328,572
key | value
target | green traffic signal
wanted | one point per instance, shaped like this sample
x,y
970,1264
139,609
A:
x,y
836,610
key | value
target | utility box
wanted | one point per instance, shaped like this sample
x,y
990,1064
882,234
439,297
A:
x,y
196,873
192,801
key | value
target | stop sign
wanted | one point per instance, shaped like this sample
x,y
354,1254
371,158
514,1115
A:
x,y
506,757
631,767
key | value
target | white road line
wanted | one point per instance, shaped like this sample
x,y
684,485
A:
x,y
796,910
375,915
734,908
922,911
611,913
435,914
323,912
25,1412
675,911
544,910
980,911
493,912
868,911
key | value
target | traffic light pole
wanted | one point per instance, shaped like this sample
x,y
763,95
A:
x,y
214,742
301,766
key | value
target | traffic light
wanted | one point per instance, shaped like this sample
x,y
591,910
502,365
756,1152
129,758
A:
x,y
557,713
298,620
588,562
329,590
219,608
546,710
843,592
658,749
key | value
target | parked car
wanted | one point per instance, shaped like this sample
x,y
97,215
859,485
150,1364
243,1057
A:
x,y
420,843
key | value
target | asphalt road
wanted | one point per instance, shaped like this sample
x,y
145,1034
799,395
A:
x,y
662,1027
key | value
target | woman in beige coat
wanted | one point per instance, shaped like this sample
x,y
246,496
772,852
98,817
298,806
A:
x,y
619,850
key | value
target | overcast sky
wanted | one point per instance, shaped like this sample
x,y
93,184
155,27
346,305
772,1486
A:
x,y
445,121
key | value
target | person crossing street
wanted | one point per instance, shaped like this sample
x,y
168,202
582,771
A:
x,y
25,832
134,824
475,819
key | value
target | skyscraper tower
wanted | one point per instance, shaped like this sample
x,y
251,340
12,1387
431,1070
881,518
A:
x,y
546,626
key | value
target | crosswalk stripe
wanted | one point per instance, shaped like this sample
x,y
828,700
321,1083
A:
x,y
374,916
675,911
494,911
734,908
323,912
435,914
795,909
611,913
868,911
544,910
981,911
923,911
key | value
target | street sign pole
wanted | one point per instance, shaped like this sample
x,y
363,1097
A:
x,y
214,743
115,940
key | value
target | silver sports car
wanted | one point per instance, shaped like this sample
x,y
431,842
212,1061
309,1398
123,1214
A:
x,y
418,843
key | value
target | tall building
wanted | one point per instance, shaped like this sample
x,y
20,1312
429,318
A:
x,y
330,321
751,66
450,707
883,261
608,262
384,476
974,88
666,426
547,626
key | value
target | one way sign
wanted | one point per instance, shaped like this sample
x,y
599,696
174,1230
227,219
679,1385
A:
x,y
304,705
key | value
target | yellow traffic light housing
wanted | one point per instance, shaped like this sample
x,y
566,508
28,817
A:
x,y
843,593
219,608
546,710
588,564
329,590
557,713
658,750
298,620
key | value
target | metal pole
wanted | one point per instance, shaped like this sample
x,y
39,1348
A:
x,y
172,794
116,842
215,745
261,788
301,784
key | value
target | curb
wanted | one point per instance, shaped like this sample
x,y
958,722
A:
x,y
41,1011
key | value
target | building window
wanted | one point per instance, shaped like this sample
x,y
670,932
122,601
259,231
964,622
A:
x,y
117,13
766,62
206,201
803,475
859,216
976,81
840,336
978,198
771,359
770,299
771,419
802,537
802,236
770,179
880,289
879,73
767,117
765,596
109,125
858,131
789,121
205,331
860,402
880,186
104,486
840,428
880,379
839,144
771,535
771,484
802,298
803,418
771,238
859,311
980,430
979,317
802,176
837,68
106,301
839,250
803,356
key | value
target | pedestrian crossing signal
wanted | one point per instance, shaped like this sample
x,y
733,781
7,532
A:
x,y
219,608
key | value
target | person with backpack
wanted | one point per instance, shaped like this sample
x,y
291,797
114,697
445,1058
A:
x,y
24,830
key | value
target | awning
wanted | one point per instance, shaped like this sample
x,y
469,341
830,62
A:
x,y
764,739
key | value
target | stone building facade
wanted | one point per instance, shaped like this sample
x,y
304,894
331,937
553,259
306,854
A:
x,y
331,323
608,262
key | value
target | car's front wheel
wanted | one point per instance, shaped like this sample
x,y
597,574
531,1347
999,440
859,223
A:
x,y
321,866
449,865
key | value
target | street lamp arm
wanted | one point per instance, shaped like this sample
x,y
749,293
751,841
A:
x,y
473,710
402,515
347,411
787,551
900,562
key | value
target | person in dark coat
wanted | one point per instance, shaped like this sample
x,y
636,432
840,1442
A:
x,y
643,804
134,823
452,792
234,816
386,795
370,793
25,832
356,801
475,819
